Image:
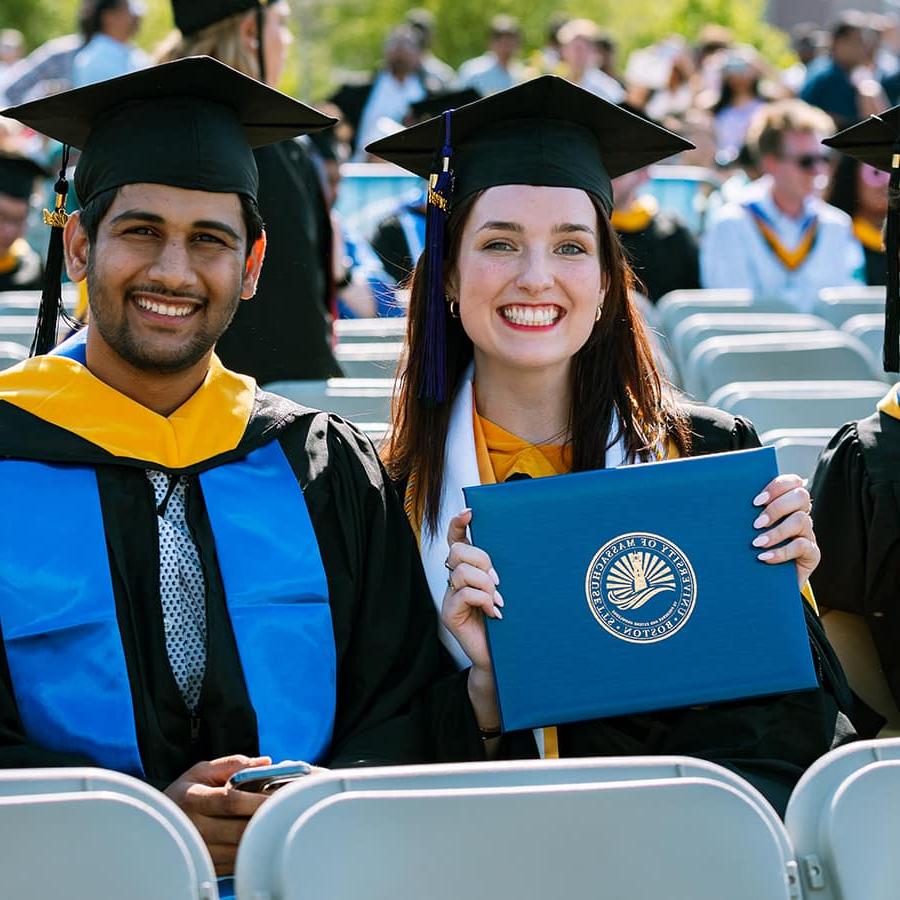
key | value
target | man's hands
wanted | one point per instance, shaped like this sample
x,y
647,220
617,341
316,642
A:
x,y
220,813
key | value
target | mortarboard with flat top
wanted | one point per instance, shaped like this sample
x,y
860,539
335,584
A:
x,y
876,141
18,175
192,123
545,132
436,104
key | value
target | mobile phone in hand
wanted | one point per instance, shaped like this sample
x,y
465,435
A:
x,y
267,779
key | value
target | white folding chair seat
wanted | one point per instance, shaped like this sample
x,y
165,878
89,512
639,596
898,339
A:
x,y
369,359
838,304
12,353
775,357
259,851
80,780
697,327
348,331
365,399
799,404
852,789
691,837
17,329
83,846
797,449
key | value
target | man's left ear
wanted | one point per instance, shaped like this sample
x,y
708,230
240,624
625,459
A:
x,y
253,267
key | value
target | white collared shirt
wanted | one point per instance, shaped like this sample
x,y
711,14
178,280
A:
x,y
734,253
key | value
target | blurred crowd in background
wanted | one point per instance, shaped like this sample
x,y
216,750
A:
x,y
756,127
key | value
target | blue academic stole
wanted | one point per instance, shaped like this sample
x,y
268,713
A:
x,y
61,633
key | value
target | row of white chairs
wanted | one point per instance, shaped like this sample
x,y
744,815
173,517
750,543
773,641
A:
x,y
645,828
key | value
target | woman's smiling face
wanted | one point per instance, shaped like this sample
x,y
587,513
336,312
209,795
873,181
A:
x,y
528,276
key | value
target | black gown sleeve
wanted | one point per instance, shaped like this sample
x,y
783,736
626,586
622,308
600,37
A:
x,y
841,514
399,697
389,244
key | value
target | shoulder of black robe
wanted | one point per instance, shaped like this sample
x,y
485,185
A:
x,y
665,255
399,696
284,332
770,741
876,267
391,247
856,514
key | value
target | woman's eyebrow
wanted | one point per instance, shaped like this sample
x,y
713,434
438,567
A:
x,y
568,227
501,226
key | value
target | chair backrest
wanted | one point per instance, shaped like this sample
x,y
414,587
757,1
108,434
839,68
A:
x,y
11,353
83,846
20,782
17,329
797,449
258,853
799,404
348,331
868,328
363,399
20,303
705,840
838,304
678,305
695,328
775,357
824,809
369,359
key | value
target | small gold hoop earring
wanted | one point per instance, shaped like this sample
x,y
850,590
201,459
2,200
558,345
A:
x,y
454,308
599,312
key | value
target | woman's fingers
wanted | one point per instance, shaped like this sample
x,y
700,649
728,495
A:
x,y
793,500
465,554
465,575
456,533
779,485
802,549
797,524
460,604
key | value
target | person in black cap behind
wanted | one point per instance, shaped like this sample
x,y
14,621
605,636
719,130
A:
x,y
526,357
21,268
245,584
286,333
856,485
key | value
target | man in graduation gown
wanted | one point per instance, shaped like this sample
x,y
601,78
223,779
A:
x,y
21,268
856,486
195,575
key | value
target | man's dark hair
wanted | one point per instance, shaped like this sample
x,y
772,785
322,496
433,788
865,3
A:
x,y
847,24
92,214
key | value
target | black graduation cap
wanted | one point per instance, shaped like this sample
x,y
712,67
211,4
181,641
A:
x,y
435,104
192,123
192,16
876,141
546,132
18,174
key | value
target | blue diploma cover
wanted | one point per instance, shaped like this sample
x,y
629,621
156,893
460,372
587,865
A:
x,y
637,589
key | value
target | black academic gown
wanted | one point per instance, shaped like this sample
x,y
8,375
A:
x,y
856,513
770,741
664,255
398,698
285,331
26,274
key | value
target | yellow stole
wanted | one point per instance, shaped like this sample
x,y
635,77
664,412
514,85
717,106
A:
x,y
13,257
790,259
637,217
65,393
868,235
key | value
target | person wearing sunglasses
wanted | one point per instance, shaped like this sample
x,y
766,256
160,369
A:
x,y
780,239
860,190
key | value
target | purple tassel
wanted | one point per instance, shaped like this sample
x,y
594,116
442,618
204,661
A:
x,y
440,190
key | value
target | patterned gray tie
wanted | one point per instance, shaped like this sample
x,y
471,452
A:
x,y
182,588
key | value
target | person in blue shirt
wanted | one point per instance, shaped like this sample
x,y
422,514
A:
x,y
109,51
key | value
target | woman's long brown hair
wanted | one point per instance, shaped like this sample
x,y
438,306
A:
x,y
613,371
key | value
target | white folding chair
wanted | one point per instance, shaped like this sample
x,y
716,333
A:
x,y
799,404
697,327
691,837
83,846
365,399
838,304
678,305
20,303
17,329
868,328
264,839
797,449
11,353
843,819
775,357
348,331
369,359
79,780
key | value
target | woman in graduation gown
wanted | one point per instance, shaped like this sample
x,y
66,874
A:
x,y
526,357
